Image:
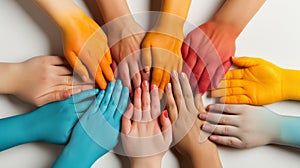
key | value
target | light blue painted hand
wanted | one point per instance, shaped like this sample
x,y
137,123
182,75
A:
x,y
51,123
97,131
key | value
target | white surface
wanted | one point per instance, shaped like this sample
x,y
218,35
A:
x,y
274,34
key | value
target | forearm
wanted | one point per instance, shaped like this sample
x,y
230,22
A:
x,y
15,131
120,8
291,83
8,73
289,133
206,156
60,11
145,162
237,13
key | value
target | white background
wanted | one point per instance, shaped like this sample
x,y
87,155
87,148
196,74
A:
x,y
273,34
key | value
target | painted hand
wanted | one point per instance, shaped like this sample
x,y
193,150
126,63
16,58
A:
x,y
258,83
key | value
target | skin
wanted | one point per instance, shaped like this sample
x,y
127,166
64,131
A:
x,y
40,80
125,36
164,57
150,130
180,100
85,44
244,126
258,82
207,49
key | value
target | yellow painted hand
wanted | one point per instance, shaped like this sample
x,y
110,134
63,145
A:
x,y
258,83
85,46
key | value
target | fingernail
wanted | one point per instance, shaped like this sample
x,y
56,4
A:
x,y
183,76
169,86
146,83
202,116
146,69
153,87
174,74
213,138
206,127
166,114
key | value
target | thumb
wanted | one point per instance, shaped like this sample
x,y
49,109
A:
x,y
245,61
165,121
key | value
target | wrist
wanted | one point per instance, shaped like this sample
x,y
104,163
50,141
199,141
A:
x,y
9,76
289,133
290,84
146,162
219,27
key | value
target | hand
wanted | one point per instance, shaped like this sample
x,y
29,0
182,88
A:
x,y
146,139
52,123
183,108
85,45
161,51
207,51
241,126
258,83
97,131
46,79
125,37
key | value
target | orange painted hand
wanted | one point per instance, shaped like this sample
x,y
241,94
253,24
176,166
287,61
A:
x,y
162,52
258,83
85,47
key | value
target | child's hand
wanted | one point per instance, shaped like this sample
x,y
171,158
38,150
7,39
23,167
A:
x,y
46,79
85,47
148,136
98,129
258,82
241,126
206,52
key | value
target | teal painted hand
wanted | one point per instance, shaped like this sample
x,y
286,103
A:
x,y
51,123
97,131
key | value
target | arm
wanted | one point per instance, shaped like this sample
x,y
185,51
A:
x,y
51,123
217,37
85,44
258,82
40,80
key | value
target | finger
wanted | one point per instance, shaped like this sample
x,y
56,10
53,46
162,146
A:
x,y
199,103
234,74
108,57
231,83
62,70
220,73
187,92
197,77
107,71
146,114
227,141
83,106
165,121
114,100
185,47
204,81
220,129
52,97
145,75
189,63
164,81
135,75
228,92
157,75
84,95
137,101
107,97
236,99
126,122
177,90
155,102
220,108
245,61
114,67
146,58
94,108
218,118
77,66
123,103
124,75
171,104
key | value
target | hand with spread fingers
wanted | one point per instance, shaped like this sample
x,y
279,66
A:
x,y
146,131
85,44
40,80
189,140
244,126
125,36
52,123
208,48
258,82
161,48
98,129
